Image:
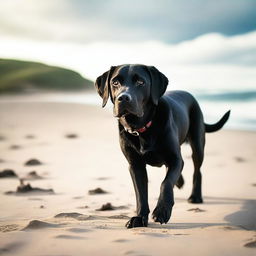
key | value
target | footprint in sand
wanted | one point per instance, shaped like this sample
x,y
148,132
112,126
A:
x,y
78,230
69,237
78,216
11,248
9,228
119,217
30,136
73,215
121,240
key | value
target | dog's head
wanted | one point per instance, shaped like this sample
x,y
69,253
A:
x,y
131,88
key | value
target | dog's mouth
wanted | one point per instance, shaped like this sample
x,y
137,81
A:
x,y
127,113
121,114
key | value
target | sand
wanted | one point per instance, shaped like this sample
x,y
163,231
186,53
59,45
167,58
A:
x,y
77,146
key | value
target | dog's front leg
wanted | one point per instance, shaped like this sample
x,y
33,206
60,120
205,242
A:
x,y
163,210
140,181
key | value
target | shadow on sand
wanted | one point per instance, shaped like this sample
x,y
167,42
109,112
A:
x,y
245,218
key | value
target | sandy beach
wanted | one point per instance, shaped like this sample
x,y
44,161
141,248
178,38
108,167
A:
x,y
78,150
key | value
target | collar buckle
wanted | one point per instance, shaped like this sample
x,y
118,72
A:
x,y
135,133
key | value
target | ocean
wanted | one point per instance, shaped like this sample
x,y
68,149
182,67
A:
x,y
241,103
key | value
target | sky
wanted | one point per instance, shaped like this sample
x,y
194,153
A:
x,y
201,44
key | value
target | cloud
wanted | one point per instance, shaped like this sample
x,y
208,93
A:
x,y
84,21
209,62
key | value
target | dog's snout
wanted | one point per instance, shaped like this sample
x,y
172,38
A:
x,y
124,97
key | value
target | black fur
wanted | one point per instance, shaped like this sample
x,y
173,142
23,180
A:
x,y
137,92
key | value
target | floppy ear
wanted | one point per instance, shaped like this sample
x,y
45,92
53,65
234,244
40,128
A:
x,y
159,84
102,85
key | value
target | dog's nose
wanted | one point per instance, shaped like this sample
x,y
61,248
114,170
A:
x,y
124,97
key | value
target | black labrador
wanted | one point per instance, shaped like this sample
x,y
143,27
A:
x,y
152,126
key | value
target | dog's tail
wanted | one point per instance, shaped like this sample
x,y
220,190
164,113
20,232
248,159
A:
x,y
215,127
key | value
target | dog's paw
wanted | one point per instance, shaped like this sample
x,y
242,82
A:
x,y
162,213
195,200
137,221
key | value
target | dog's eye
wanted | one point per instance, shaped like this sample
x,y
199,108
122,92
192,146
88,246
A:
x,y
140,82
115,83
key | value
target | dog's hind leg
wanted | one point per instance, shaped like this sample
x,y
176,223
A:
x,y
197,142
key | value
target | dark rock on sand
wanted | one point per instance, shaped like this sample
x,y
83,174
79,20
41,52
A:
x,y
196,210
27,188
97,191
83,207
2,138
37,224
110,207
8,173
240,159
103,178
30,136
33,176
77,197
106,207
33,161
24,188
14,147
71,136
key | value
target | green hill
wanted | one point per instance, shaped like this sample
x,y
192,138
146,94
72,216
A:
x,y
18,76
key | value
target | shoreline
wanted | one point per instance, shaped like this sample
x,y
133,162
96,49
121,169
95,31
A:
x,y
241,117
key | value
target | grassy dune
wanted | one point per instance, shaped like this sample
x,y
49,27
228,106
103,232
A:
x,y
20,76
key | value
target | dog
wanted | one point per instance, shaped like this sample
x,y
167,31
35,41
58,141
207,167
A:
x,y
152,126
